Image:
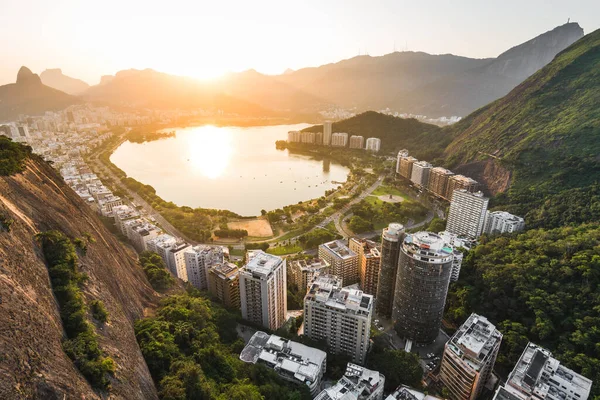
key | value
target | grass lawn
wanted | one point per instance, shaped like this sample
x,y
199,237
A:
x,y
290,235
383,190
237,252
283,250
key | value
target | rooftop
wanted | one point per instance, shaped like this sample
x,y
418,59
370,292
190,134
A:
x,y
393,232
408,393
262,264
355,381
327,289
285,356
340,249
313,264
427,246
226,270
475,341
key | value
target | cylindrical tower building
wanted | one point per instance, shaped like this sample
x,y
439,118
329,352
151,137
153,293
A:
x,y
391,239
424,271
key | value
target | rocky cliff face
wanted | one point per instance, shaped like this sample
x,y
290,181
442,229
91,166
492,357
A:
x,y
32,361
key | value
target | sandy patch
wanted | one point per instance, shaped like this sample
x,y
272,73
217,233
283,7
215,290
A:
x,y
255,227
391,198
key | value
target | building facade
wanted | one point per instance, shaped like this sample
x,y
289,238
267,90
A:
x,y
327,133
438,181
302,272
502,222
263,290
420,173
292,361
469,358
369,262
357,142
373,144
343,262
198,260
457,182
176,260
467,213
405,166
294,137
391,241
339,139
339,316
424,270
539,376
224,284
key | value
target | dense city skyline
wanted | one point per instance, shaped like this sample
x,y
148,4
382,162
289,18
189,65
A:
x,y
87,42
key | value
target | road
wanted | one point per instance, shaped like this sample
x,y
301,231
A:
x,y
97,165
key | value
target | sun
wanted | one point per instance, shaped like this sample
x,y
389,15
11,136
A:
x,y
210,151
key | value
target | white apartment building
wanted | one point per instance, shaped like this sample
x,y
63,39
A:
x,y
263,290
539,376
357,142
469,358
343,261
420,173
198,260
401,154
339,139
176,258
293,361
140,232
303,272
294,137
467,213
373,144
407,393
106,205
327,133
502,222
124,213
358,383
161,245
307,137
340,316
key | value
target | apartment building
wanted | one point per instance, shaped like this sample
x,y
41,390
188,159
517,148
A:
x,y
502,222
294,137
263,290
340,316
224,284
301,273
369,262
405,166
407,393
469,358
161,246
358,383
339,139
391,241
357,142
140,232
438,181
373,144
292,361
539,376
420,173
467,213
176,260
343,261
424,269
457,182
198,260
307,137
327,133
124,213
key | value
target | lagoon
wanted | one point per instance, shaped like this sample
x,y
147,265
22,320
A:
x,y
232,168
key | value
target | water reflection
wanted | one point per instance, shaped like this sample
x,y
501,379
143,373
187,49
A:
x,y
210,151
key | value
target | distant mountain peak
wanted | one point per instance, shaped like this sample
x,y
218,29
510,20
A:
x,y
25,76
55,78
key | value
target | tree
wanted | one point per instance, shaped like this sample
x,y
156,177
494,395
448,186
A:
x,y
402,368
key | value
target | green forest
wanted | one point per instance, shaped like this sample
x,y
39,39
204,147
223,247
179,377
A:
x,y
12,156
541,286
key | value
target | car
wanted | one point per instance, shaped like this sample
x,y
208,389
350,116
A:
x,y
376,321
380,328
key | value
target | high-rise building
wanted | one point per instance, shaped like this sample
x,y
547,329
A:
x,y
422,281
161,245
401,154
343,262
438,181
358,383
294,137
327,133
373,144
176,260
456,182
302,272
198,260
339,139
307,137
502,222
406,166
357,142
407,393
263,290
469,358
467,213
420,173
339,316
224,284
319,138
391,241
140,233
369,261
539,376
292,361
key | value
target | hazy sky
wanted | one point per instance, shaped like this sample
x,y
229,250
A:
x,y
207,38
